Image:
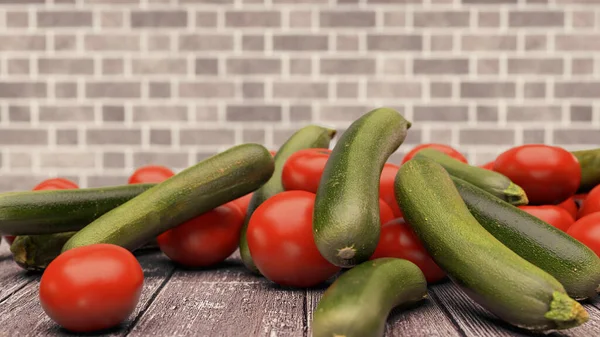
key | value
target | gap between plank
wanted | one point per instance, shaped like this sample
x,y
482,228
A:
x,y
442,306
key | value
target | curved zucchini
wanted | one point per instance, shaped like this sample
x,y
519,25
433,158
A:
x,y
196,190
494,276
358,303
58,211
573,264
589,161
346,215
493,182
311,136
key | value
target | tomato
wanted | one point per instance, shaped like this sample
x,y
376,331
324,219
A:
x,y
56,184
551,214
385,212
303,170
488,166
205,240
281,242
587,231
386,188
398,240
273,153
150,174
91,288
440,147
548,174
591,204
9,239
243,203
580,198
570,206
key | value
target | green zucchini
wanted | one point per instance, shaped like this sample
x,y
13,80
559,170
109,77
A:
x,y
488,180
494,276
58,211
573,264
190,193
311,136
358,303
589,161
346,215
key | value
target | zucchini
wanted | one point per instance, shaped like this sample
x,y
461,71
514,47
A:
x,y
491,274
346,215
358,303
186,195
493,182
58,211
311,136
573,264
589,161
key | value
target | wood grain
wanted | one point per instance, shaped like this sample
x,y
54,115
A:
x,y
12,277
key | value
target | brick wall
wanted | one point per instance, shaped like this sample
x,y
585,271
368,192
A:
x,y
90,89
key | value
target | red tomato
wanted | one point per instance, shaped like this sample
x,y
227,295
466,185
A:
x,y
150,174
548,174
587,231
303,170
91,288
398,240
9,239
281,242
591,204
440,147
273,153
580,198
570,206
385,212
205,240
551,214
243,203
488,166
56,184
386,188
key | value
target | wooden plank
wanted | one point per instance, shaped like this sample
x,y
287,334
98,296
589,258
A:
x,y
424,320
224,302
22,315
12,277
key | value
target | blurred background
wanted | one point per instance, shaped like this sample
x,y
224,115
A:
x,y
92,89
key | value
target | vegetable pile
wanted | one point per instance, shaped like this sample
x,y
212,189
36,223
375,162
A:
x,y
520,235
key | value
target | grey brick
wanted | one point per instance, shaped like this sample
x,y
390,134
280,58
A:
x,y
253,136
383,42
49,19
486,137
577,42
582,66
17,19
489,42
246,66
64,42
440,136
442,42
536,66
487,113
253,19
253,42
112,42
534,90
348,19
536,19
300,1
106,180
441,19
206,112
533,136
113,160
253,90
487,90
160,137
168,159
22,90
210,2
207,66
300,90
394,66
300,113
202,155
112,2
65,90
113,90
346,90
413,136
67,159
206,42
22,42
155,66
66,66
488,66
344,66
165,113
347,42
158,42
23,137
206,19
113,19
158,19
533,113
113,113
18,66
107,136
159,89
300,66
394,18
577,89
342,113
206,137
581,113
536,42
20,160
488,2
300,18
395,2
113,66
576,136
69,113
394,89
433,113
440,66
488,19
440,89
281,135
19,113
206,89
253,113
21,2
583,19
297,42
67,137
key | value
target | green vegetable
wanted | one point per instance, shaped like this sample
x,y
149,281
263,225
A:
x,y
589,160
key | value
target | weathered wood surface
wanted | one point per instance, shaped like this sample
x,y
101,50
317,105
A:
x,y
227,301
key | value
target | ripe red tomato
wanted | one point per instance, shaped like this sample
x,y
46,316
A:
x,y
243,203
398,240
440,147
56,184
386,188
551,214
303,170
587,231
591,204
580,198
91,288
488,166
281,242
205,240
9,239
273,152
385,212
570,206
150,174
548,174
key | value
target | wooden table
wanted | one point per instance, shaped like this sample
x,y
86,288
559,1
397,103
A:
x,y
227,301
